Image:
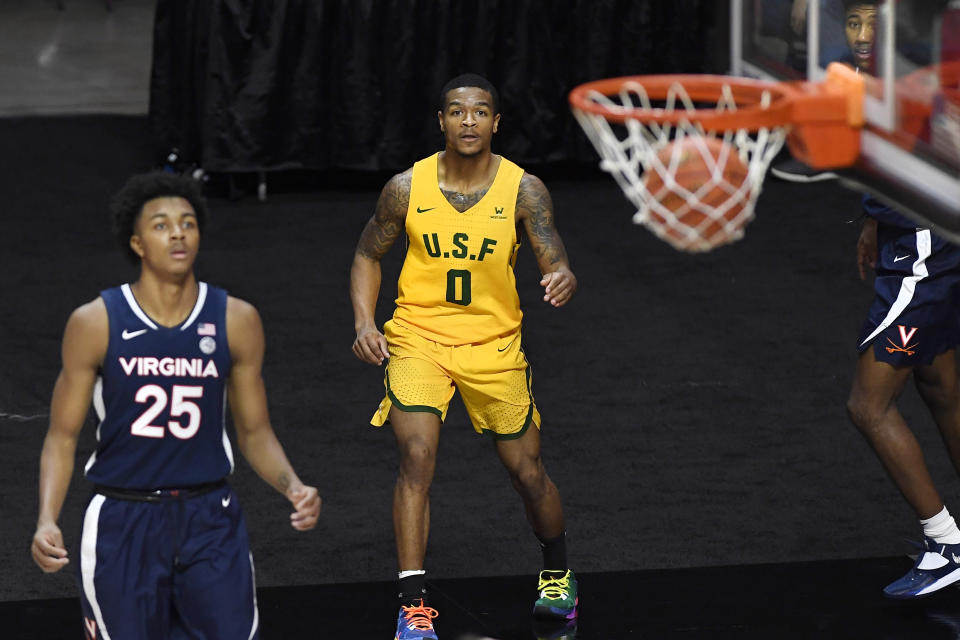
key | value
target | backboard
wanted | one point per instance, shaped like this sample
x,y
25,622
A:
x,y
909,50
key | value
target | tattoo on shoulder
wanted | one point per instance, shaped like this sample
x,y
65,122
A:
x,y
387,222
535,208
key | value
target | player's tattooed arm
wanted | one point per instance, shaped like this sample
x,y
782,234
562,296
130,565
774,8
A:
x,y
387,222
382,230
535,210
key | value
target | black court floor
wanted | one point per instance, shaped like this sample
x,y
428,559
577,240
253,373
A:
x,y
835,599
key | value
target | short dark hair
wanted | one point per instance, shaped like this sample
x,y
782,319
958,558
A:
x,y
849,3
470,80
140,189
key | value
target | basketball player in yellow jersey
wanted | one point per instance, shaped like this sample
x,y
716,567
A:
x,y
457,326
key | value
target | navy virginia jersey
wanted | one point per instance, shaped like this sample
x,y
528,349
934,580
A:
x,y
160,396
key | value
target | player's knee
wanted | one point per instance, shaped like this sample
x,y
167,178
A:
x,y
417,459
858,411
865,415
530,478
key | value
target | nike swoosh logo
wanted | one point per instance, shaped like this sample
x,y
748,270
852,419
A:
x,y
419,210
506,347
127,335
225,502
899,258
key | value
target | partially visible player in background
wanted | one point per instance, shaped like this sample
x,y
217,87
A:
x,y
164,550
913,327
859,23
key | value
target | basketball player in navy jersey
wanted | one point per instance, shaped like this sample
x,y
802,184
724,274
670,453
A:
x,y
913,326
164,550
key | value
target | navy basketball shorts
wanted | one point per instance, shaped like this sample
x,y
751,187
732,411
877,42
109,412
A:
x,y
177,568
915,315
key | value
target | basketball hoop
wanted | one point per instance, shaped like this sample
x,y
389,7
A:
x,y
691,151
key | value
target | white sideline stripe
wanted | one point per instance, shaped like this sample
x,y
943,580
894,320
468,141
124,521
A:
x,y
88,559
227,449
100,409
201,298
946,580
256,611
137,311
908,286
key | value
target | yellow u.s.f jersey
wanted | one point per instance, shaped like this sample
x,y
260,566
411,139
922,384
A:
x,y
457,284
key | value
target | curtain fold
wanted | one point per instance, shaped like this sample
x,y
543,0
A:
x,y
251,85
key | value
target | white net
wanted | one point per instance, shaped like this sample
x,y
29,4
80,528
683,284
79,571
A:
x,y
692,187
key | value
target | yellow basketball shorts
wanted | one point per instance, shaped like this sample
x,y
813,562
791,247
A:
x,y
494,380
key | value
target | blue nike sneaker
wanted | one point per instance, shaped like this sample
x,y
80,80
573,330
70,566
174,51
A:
x,y
416,622
937,566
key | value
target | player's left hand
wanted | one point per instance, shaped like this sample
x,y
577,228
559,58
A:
x,y
559,285
306,501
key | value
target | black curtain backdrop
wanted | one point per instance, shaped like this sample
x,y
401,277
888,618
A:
x,y
250,85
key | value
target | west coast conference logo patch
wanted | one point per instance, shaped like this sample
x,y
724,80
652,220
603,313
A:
x,y
905,336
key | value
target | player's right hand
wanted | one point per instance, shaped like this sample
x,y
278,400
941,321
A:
x,y
48,550
867,247
370,346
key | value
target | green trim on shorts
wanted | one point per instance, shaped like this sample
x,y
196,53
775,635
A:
x,y
527,421
413,408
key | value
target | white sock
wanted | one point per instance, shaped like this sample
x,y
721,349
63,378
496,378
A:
x,y
942,528
405,574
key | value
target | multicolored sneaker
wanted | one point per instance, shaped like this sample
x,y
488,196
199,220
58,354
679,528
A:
x,y
558,595
416,622
937,566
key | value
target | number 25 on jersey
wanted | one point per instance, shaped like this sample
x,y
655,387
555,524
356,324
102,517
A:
x,y
181,406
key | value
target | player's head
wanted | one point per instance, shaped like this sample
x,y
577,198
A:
x,y
470,80
179,195
469,114
859,25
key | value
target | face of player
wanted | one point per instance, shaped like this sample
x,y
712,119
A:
x,y
861,21
468,122
167,236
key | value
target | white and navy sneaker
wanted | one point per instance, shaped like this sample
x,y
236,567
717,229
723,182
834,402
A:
x,y
937,566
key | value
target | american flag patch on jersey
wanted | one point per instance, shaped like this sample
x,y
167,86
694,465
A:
x,y
206,329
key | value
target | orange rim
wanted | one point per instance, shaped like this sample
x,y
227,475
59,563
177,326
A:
x,y
747,93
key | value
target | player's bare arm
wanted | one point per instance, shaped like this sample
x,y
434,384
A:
x,y
381,231
535,209
84,347
248,405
